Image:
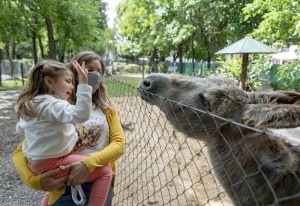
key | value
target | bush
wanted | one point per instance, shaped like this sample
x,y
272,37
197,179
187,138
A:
x,y
132,68
147,69
288,77
257,71
162,67
121,66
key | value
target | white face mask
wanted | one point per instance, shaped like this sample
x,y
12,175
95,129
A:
x,y
94,80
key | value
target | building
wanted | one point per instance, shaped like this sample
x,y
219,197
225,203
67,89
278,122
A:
x,y
286,56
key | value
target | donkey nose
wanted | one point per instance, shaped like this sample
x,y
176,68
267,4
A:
x,y
145,84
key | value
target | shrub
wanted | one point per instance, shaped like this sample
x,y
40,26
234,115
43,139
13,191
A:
x,y
132,68
121,66
257,71
288,77
162,67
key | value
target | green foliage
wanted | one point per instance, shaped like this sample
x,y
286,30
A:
x,y
280,23
132,68
147,69
257,71
76,25
288,77
191,28
162,67
230,68
121,66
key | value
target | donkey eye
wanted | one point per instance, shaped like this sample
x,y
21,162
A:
x,y
204,102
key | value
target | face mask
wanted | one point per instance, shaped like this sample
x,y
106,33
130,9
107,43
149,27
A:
x,y
94,80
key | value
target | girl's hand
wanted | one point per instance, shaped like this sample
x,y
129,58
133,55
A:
x,y
81,71
49,183
78,173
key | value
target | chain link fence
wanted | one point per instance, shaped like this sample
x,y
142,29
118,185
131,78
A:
x,y
163,166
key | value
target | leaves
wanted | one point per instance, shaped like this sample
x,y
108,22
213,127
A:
x,y
76,24
280,21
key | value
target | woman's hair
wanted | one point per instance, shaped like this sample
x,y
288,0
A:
x,y
36,85
100,98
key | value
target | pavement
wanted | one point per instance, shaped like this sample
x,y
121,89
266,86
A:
x,y
7,103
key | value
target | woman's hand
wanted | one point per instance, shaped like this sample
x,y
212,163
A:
x,y
78,173
49,183
81,71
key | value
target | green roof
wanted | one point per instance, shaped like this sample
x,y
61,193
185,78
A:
x,y
247,45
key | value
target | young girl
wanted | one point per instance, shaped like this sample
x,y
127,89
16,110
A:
x,y
46,119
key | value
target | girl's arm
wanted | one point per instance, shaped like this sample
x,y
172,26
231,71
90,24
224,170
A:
x,y
64,112
38,182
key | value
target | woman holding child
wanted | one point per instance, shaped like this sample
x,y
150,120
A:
x,y
104,145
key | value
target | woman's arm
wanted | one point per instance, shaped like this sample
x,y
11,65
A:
x,y
20,163
38,182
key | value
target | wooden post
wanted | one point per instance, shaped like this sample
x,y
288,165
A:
x,y
244,71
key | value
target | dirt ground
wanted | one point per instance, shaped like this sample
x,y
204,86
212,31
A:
x,y
161,166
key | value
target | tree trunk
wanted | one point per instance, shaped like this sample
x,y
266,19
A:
x,y
62,52
1,57
244,71
34,50
206,40
180,54
7,49
13,50
193,56
174,55
8,54
208,60
151,60
41,47
52,50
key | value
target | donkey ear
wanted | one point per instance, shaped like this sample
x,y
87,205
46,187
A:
x,y
279,97
271,115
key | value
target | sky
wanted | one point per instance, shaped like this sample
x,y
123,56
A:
x,y
111,11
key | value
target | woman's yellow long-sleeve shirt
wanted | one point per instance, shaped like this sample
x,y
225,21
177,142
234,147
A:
x,y
109,154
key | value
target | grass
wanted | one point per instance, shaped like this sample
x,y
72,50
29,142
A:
x,y
127,85
11,84
129,79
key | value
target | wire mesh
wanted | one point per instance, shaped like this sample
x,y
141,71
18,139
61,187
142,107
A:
x,y
162,165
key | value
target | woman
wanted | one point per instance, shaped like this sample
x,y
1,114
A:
x,y
110,145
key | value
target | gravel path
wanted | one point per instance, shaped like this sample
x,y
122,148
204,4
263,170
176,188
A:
x,y
12,190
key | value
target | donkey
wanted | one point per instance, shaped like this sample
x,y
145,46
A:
x,y
254,166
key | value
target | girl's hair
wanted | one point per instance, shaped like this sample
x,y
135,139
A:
x,y
36,85
100,98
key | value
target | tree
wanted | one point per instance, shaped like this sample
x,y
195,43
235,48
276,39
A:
x,y
184,28
65,26
280,21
